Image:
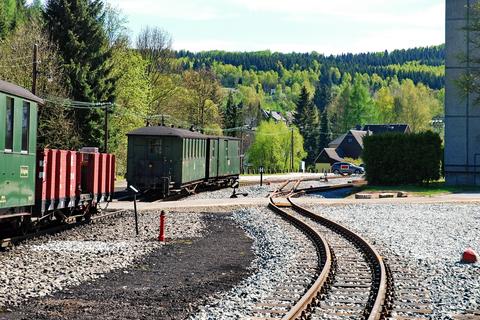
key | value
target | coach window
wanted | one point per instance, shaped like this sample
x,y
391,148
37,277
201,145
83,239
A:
x,y
9,125
156,147
25,126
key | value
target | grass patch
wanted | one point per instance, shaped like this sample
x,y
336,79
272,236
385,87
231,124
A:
x,y
426,190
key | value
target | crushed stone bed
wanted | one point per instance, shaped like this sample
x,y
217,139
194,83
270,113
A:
x,y
167,283
430,238
278,246
39,267
254,191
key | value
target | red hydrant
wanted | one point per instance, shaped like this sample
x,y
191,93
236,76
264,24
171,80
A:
x,y
161,236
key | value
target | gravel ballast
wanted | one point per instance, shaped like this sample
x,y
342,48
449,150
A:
x,y
278,247
168,283
431,239
45,265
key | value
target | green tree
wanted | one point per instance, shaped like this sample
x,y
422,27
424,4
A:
x,y
302,104
132,92
384,102
326,135
55,127
231,116
204,98
311,132
77,26
414,105
272,147
360,108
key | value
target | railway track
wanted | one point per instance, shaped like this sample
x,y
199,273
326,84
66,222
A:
x,y
351,279
14,240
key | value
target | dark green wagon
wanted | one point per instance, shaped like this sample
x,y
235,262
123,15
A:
x,y
171,160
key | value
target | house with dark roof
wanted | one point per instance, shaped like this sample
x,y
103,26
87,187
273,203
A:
x,y
328,155
350,144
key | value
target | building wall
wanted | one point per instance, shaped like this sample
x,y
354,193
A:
x,y
462,116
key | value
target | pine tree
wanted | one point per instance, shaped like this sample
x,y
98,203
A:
x,y
325,131
302,107
231,117
311,132
323,96
78,29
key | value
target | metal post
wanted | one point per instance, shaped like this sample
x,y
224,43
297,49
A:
x,y
291,167
261,169
161,235
34,71
136,214
241,150
106,130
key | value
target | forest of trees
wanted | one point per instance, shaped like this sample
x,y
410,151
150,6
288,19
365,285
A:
x,y
88,59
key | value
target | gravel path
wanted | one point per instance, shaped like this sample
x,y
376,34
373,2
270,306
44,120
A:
x,y
40,267
168,283
431,239
254,191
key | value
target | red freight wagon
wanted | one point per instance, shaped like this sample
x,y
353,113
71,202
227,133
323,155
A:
x,y
73,180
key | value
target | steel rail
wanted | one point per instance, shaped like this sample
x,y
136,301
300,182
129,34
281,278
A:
x,y
377,300
300,309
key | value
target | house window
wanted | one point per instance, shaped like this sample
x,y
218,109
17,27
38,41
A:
x,y
9,125
349,140
25,126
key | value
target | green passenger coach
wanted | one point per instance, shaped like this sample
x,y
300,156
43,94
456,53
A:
x,y
18,137
170,160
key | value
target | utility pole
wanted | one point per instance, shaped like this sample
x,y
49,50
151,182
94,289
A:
x,y
34,71
105,143
241,150
292,152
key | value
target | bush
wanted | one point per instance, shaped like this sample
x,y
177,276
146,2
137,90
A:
x,y
395,158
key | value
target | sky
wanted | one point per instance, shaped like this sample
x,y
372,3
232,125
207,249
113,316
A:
x,y
325,26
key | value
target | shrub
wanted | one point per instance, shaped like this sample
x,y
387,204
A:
x,y
395,158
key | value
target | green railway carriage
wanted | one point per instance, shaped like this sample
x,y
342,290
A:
x,y
18,138
224,157
166,160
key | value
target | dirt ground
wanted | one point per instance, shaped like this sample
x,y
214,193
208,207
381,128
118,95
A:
x,y
168,284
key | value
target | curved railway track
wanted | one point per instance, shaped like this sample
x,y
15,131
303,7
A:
x,y
351,281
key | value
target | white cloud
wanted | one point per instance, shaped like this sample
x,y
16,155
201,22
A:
x,y
340,25
182,10
370,11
